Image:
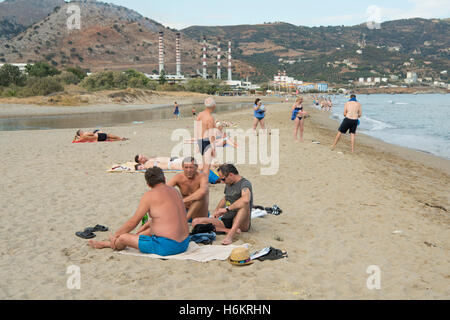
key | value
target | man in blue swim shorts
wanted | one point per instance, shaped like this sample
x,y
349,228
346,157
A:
x,y
166,232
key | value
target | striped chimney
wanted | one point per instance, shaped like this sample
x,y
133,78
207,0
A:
x,y
161,52
204,58
230,76
219,70
178,48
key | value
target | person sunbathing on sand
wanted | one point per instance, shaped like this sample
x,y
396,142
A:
x,y
97,135
233,213
167,231
165,163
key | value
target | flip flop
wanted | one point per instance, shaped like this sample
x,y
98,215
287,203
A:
x,y
86,234
100,228
274,254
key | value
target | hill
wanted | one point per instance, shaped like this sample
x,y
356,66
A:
x,y
17,15
111,37
317,53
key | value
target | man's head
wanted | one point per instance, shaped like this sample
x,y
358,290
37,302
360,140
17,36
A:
x,y
190,167
227,173
353,96
210,103
140,158
79,133
154,176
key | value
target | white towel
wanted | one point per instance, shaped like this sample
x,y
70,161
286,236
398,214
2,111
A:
x,y
257,213
203,253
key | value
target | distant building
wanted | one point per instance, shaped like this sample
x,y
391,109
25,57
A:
x,y
411,77
20,65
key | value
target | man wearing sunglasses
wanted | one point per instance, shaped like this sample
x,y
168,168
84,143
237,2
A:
x,y
233,213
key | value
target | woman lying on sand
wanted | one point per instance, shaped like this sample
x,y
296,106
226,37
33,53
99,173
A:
x,y
97,135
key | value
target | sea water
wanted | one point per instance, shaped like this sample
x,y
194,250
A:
x,y
416,121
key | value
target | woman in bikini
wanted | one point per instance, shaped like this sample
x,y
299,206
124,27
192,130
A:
x,y
298,116
97,135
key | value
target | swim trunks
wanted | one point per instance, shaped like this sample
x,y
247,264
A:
x,y
102,136
203,145
228,219
162,246
348,124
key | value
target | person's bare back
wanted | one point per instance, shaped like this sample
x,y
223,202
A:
x,y
352,110
167,213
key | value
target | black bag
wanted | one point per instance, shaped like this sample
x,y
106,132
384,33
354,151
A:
x,y
203,228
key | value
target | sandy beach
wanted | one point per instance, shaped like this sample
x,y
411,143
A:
x,y
384,205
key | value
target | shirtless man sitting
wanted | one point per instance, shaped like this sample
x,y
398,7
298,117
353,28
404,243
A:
x,y
194,188
97,135
352,112
166,232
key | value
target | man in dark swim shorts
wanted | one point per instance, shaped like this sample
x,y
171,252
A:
x,y
83,136
233,213
352,112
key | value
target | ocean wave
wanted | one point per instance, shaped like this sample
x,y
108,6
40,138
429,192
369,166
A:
x,y
375,125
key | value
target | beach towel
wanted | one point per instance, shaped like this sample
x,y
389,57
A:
x,y
130,167
199,253
75,141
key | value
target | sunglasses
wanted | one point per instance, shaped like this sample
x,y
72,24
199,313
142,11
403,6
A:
x,y
224,178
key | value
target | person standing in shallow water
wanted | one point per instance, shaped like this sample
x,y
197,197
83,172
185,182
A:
x,y
352,113
176,112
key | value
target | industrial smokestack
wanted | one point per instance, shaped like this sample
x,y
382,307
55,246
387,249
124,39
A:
x,y
205,76
161,52
230,76
178,48
219,71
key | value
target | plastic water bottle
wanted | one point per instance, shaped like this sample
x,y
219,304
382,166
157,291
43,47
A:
x,y
145,219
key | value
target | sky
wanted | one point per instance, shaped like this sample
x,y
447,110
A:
x,y
180,14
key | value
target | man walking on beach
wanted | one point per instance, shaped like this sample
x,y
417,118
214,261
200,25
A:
x,y
352,113
205,134
233,213
194,188
166,232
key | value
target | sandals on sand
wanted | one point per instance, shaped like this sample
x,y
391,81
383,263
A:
x,y
88,233
274,254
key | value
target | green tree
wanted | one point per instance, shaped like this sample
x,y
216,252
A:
x,y
41,70
10,74
80,73
162,77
